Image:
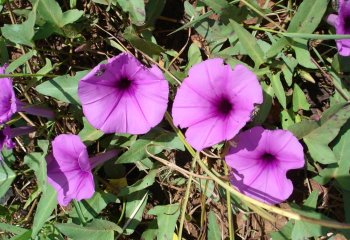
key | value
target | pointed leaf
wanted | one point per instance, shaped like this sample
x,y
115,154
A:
x,y
21,33
249,43
47,204
214,231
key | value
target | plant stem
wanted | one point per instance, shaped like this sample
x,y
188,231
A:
x,y
231,229
80,214
185,200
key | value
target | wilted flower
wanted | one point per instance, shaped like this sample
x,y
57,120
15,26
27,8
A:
x,y
123,96
260,163
69,168
214,102
341,22
7,133
9,104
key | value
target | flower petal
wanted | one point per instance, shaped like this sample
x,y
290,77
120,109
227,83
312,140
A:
x,y
267,184
67,148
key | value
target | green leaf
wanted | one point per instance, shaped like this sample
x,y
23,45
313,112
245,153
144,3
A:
x,y
20,61
288,68
154,9
140,184
306,20
4,55
104,2
161,138
278,89
12,229
265,107
64,88
89,133
277,47
216,5
249,43
135,205
51,12
214,231
95,230
150,48
167,216
302,53
71,16
304,230
6,177
308,16
151,231
194,56
136,10
284,233
339,171
318,135
90,208
47,204
37,162
21,33
24,236
299,99
287,119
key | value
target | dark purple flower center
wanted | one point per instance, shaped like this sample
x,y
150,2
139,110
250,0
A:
x,y
224,106
268,157
347,24
124,83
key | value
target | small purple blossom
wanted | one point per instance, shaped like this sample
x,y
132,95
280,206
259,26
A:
x,y
9,104
260,163
7,133
214,102
69,168
5,139
123,96
341,22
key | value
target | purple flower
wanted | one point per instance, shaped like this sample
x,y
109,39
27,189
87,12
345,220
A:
x,y
8,100
214,102
341,22
123,96
260,163
6,135
69,168
9,104
5,139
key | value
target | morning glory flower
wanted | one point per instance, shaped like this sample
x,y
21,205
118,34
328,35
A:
x,y
69,168
8,100
123,96
9,104
260,162
5,139
341,22
7,133
214,102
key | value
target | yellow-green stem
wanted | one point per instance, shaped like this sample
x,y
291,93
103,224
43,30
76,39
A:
x,y
229,210
185,200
